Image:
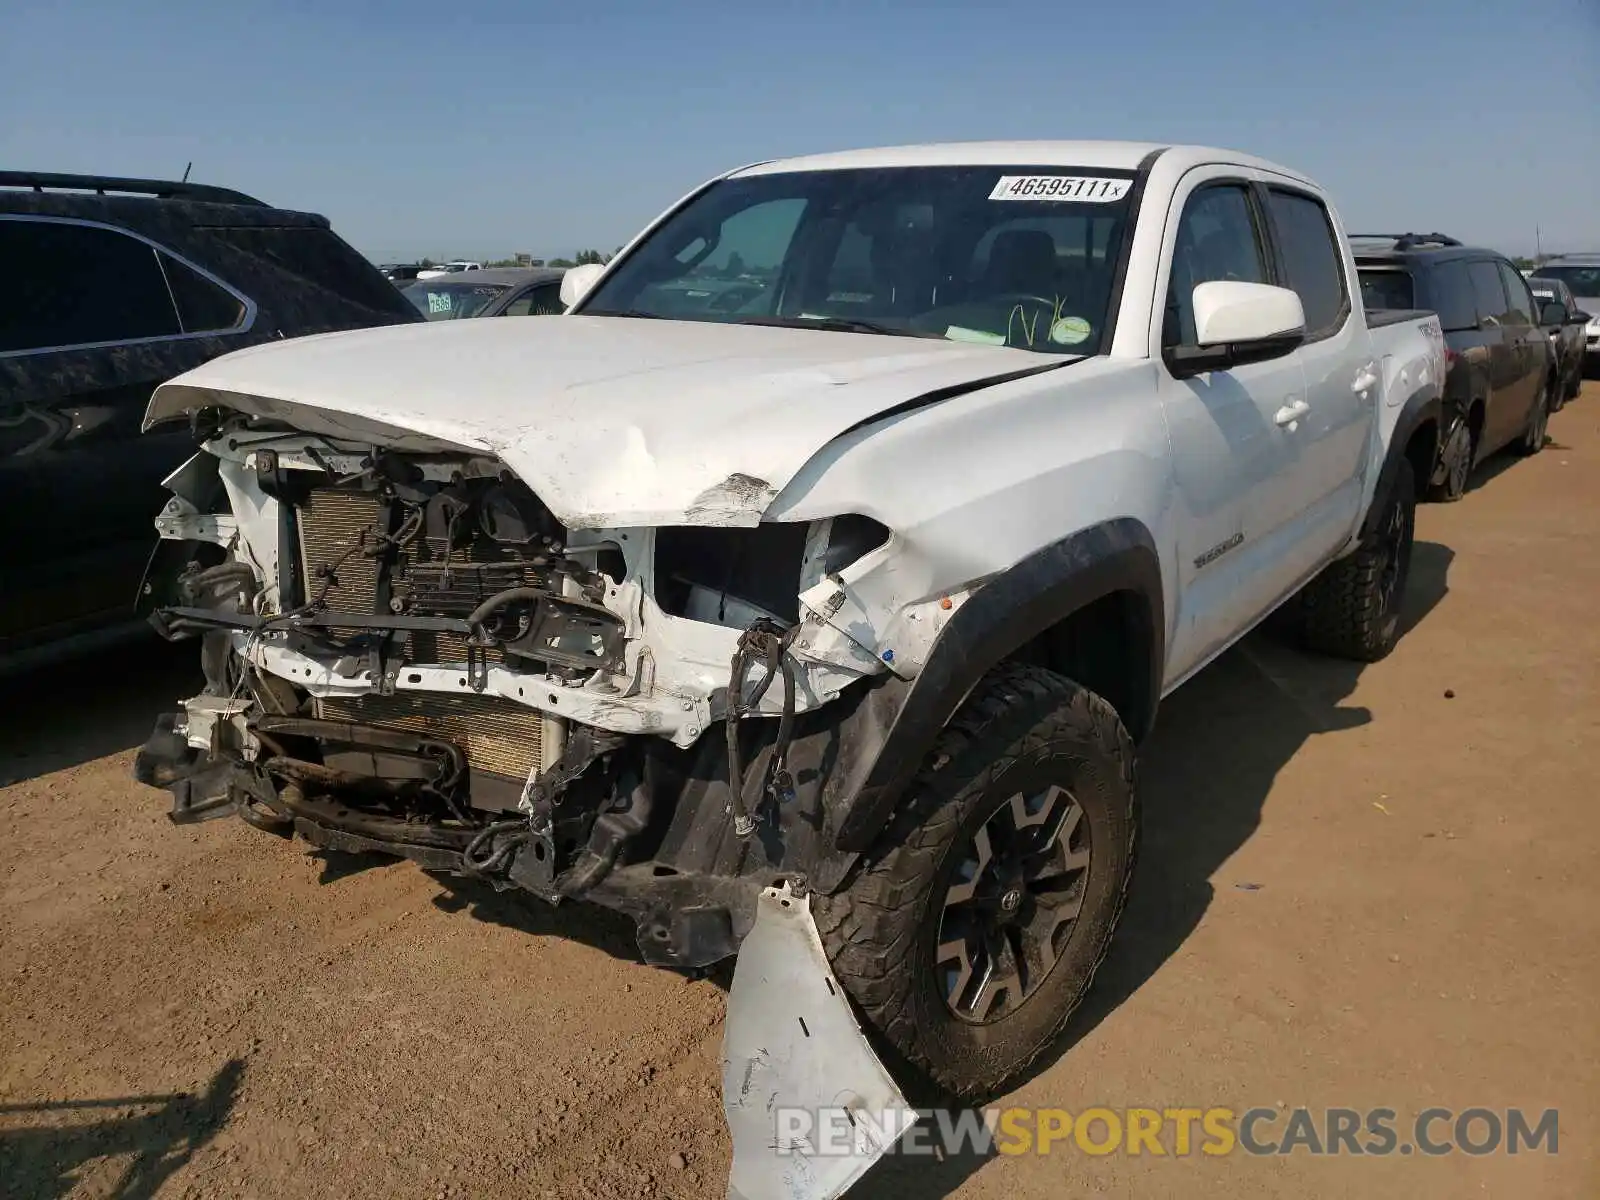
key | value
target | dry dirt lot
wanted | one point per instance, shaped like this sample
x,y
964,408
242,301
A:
x,y
1360,888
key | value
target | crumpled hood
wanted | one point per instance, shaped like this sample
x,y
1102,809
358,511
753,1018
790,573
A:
x,y
612,421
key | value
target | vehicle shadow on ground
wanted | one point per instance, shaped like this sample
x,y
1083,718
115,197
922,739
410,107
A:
x,y
1504,460
601,928
138,1148
75,712
1206,772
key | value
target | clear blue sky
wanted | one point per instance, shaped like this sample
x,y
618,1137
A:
x,y
482,127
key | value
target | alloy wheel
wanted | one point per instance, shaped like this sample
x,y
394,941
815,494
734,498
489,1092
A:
x,y
1012,904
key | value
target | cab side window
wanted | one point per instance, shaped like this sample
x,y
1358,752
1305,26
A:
x,y
1311,259
1218,239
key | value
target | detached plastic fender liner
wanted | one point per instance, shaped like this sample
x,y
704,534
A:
x,y
1002,616
1421,406
794,1057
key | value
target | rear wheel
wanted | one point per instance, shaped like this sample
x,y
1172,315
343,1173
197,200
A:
x,y
975,927
1533,435
1352,609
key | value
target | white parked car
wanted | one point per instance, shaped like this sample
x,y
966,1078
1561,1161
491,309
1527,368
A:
x,y
449,268
824,623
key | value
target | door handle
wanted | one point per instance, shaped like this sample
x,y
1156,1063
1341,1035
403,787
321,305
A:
x,y
1368,378
1291,413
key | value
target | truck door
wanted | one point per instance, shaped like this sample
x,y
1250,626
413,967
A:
x,y
1227,448
1319,500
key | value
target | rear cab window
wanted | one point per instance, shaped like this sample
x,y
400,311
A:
x,y
1386,287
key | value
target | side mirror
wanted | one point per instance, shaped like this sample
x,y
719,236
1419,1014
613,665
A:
x,y
1239,323
1553,313
1581,318
577,282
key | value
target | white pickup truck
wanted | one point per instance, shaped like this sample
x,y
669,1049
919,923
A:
x,y
810,584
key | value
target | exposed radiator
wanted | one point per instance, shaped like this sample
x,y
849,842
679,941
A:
x,y
498,735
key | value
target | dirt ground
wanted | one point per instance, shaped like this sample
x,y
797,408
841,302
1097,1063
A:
x,y
1359,888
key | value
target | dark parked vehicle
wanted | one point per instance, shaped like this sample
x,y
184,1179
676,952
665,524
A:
x,y
1563,321
495,292
114,286
1581,273
1498,389
400,274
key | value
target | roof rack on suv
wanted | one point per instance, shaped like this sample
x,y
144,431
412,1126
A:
x,y
1406,241
161,189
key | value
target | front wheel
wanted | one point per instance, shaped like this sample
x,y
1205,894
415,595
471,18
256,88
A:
x,y
1457,453
976,925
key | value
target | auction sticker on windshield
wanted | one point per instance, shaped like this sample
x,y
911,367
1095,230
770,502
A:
x,y
1073,188
1070,331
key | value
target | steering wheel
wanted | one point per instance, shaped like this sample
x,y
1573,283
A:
x,y
733,299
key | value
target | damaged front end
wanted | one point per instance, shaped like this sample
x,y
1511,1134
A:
x,y
409,653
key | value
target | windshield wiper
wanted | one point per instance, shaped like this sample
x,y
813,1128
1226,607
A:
x,y
836,325
624,312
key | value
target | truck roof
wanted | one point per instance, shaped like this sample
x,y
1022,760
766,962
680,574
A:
x,y
1106,155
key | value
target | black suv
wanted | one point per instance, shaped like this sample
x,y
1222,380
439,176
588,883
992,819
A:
x,y
1501,369
113,286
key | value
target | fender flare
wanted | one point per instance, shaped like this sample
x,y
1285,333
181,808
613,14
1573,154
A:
x,y
1420,407
1002,616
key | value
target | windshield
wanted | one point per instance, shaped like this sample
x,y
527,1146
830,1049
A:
x,y
439,300
1584,281
1014,256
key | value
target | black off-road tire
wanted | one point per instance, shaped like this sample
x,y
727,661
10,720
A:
x,y
1021,727
1352,609
1533,434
